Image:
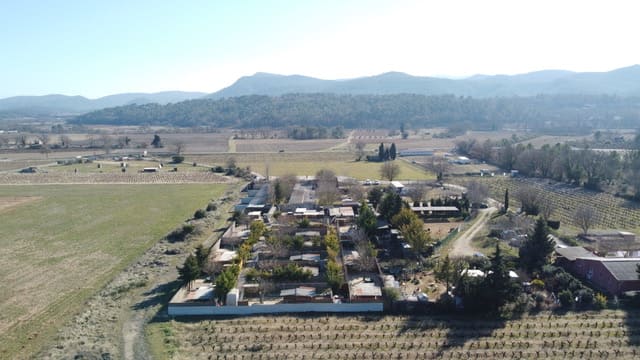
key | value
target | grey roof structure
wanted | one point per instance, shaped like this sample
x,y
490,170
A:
x,y
571,253
622,269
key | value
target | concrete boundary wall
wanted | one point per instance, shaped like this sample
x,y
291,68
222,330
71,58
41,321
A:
x,y
195,310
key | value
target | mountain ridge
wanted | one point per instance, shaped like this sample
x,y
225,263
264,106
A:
x,y
621,82
58,103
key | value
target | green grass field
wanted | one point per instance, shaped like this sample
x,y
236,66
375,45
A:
x,y
308,163
66,242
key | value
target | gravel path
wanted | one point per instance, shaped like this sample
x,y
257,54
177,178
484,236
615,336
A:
x,y
462,245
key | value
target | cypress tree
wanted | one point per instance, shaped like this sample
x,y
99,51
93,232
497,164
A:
x,y
381,152
535,252
506,200
392,151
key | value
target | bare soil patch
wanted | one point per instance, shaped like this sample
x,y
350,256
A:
x,y
11,202
439,230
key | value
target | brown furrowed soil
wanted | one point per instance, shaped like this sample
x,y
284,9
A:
x,y
596,335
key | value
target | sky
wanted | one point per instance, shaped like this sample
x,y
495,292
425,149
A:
x,y
96,48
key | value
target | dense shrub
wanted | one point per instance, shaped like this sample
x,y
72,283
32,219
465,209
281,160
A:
x,y
290,272
177,159
212,207
199,214
600,301
566,298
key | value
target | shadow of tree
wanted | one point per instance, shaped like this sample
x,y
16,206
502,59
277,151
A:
x,y
159,295
632,324
452,331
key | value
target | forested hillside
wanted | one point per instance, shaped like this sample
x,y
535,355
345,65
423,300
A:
x,y
560,112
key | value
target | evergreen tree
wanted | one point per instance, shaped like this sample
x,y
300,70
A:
x,y
374,196
277,192
367,220
501,288
535,252
404,217
202,256
386,154
506,200
381,152
390,205
392,151
415,235
226,281
189,271
156,143
445,271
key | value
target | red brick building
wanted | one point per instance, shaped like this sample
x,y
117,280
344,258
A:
x,y
614,276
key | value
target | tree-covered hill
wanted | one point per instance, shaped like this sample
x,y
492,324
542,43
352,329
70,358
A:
x,y
380,111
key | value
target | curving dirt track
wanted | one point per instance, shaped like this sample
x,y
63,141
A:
x,y
462,245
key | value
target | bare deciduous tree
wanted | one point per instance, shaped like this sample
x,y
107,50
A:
x,y
546,209
277,246
357,192
366,260
360,145
438,165
584,217
529,200
327,190
179,147
107,142
477,192
65,141
389,170
417,192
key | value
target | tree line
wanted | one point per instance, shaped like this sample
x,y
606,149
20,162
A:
x,y
545,112
591,169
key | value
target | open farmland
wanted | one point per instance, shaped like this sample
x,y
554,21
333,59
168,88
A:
x,y
598,335
276,145
302,164
63,247
611,212
424,139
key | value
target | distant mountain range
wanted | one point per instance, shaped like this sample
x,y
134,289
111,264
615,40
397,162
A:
x,y
62,104
622,82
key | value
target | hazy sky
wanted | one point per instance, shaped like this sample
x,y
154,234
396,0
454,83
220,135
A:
x,y
95,48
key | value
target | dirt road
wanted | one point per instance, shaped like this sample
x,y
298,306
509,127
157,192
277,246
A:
x,y
462,245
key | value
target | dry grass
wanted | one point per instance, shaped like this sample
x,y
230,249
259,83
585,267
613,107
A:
x,y
9,202
276,145
58,251
308,163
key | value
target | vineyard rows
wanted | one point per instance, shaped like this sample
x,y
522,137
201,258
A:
x,y
112,178
598,335
611,212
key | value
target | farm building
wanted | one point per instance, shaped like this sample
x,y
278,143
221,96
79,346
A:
x,y
435,211
256,197
461,160
612,241
415,152
612,275
397,186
